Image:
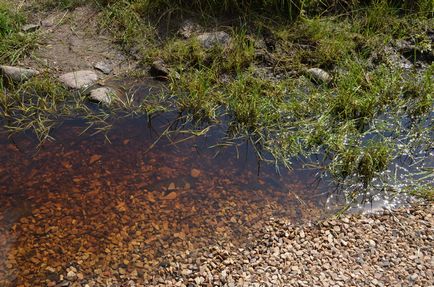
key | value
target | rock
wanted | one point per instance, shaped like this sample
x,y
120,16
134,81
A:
x,y
104,67
159,70
394,58
71,276
79,79
63,284
103,95
210,39
18,74
171,196
122,271
30,28
94,158
199,280
171,186
195,173
319,75
188,28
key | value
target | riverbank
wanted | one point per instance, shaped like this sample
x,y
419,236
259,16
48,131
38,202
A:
x,y
353,88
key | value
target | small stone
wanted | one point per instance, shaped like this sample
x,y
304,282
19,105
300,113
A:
x,y
199,280
413,277
211,39
71,276
103,95
30,28
104,67
159,70
360,260
195,173
47,23
171,196
63,283
18,74
94,158
79,79
319,75
122,271
295,268
372,243
171,186
188,28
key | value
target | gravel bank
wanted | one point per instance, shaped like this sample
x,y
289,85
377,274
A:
x,y
391,249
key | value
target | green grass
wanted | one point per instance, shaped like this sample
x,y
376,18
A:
x,y
13,44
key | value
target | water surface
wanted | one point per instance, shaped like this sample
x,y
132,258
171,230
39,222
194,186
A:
x,y
116,208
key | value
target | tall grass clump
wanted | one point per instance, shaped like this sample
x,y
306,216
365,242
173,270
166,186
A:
x,y
13,44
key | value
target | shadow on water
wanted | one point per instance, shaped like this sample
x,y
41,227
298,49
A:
x,y
97,205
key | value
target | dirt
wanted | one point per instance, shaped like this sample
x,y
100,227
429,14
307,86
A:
x,y
73,40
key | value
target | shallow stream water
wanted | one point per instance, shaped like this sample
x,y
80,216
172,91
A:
x,y
105,206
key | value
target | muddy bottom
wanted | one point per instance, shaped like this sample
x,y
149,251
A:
x,y
116,208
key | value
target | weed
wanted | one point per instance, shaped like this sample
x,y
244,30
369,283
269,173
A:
x,y
13,44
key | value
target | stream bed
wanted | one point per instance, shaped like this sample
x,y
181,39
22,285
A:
x,y
112,206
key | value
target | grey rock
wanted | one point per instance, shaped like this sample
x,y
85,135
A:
x,y
104,67
47,23
64,283
396,59
188,28
30,28
319,75
159,69
413,277
210,39
17,74
103,95
79,79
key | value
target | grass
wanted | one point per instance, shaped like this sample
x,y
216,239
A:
x,y
13,44
258,85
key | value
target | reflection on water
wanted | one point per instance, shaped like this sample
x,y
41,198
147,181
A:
x,y
113,209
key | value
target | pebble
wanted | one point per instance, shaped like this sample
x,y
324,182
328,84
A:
x,y
211,39
30,28
104,67
318,75
103,95
159,70
79,79
18,74
195,173
188,28
71,275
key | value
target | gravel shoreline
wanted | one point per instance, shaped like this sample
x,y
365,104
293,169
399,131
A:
x,y
389,249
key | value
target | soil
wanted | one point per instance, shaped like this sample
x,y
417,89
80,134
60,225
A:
x,y
73,40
